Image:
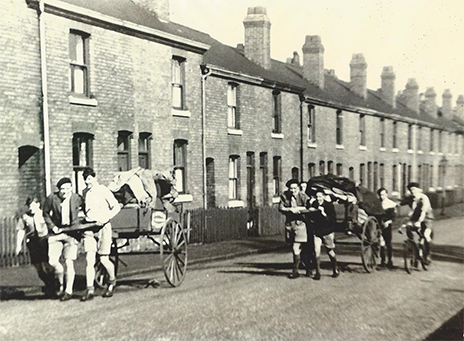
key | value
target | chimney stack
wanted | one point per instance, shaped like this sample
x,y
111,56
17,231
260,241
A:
x,y
296,59
430,104
411,93
388,85
313,60
258,36
158,7
460,107
447,106
358,75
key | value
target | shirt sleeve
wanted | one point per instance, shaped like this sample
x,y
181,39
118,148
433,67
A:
x,y
113,204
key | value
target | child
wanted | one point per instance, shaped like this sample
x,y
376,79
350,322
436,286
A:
x,y
31,226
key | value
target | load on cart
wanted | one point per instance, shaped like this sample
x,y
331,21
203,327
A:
x,y
358,212
149,210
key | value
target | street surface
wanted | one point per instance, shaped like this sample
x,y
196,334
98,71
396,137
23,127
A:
x,y
250,298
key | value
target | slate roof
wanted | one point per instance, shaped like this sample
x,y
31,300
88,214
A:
x,y
129,11
229,58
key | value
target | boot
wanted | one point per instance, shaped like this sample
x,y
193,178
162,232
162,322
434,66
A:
x,y
335,273
317,276
296,264
109,292
382,257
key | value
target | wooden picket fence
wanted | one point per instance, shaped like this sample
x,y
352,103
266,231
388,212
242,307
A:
x,y
8,255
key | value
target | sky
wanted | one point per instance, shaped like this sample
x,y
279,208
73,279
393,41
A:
x,y
421,39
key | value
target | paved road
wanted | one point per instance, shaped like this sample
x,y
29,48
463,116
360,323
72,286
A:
x,y
250,298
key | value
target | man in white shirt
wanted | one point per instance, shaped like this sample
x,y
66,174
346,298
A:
x,y
100,206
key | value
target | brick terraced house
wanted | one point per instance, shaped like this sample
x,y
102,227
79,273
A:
x,y
115,84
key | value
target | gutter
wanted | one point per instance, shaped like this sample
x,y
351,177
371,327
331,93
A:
x,y
46,125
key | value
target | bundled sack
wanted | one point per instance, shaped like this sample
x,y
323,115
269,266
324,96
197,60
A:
x,y
369,202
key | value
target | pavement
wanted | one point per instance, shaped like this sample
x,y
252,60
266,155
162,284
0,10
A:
x,y
23,279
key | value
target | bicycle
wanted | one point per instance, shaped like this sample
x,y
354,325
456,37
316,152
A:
x,y
413,252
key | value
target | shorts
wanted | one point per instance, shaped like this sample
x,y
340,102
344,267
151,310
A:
x,y
61,243
99,241
297,231
328,241
38,249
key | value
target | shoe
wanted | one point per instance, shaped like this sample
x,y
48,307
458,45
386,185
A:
x,y
109,291
336,274
294,275
59,294
317,276
390,265
382,265
87,296
66,297
308,273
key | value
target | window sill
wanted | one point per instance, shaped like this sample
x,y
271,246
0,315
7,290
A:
x,y
395,150
312,145
439,188
236,203
382,149
233,131
279,136
395,194
432,153
362,147
432,189
440,153
410,151
420,152
184,198
92,102
339,146
180,113
275,200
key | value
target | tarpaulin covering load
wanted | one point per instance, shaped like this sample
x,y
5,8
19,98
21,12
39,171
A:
x,y
150,188
345,190
339,188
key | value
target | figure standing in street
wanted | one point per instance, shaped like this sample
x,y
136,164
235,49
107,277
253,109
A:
x,y
100,206
31,226
292,205
323,218
389,207
61,210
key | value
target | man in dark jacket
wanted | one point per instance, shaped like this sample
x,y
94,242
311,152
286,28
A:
x,y
292,205
323,218
61,210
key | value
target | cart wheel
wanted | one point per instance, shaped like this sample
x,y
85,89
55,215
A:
x,y
173,252
370,243
409,256
101,276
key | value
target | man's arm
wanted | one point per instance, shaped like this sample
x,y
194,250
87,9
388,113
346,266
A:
x,y
21,232
48,207
113,204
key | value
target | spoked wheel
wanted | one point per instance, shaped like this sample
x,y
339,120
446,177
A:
x,y
173,252
370,243
101,276
409,256
422,256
